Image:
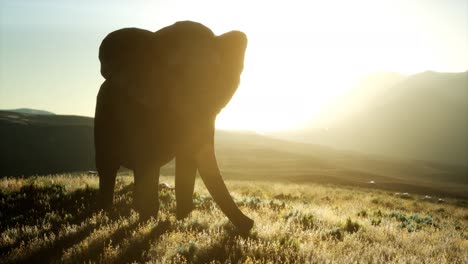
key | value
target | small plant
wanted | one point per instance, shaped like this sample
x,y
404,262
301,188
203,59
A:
x,y
166,197
253,202
283,196
188,251
376,221
276,205
414,222
362,213
195,224
335,233
202,202
351,226
306,220
289,242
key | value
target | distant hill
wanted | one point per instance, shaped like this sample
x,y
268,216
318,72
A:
x,y
41,144
38,144
29,111
423,116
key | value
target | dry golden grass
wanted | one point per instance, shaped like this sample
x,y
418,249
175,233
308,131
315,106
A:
x,y
52,219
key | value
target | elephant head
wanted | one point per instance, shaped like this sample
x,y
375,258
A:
x,y
207,70
187,74
207,67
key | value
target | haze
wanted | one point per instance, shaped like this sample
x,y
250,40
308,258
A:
x,y
302,55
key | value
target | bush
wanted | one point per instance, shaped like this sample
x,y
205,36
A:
x,y
306,220
362,213
335,233
351,226
414,222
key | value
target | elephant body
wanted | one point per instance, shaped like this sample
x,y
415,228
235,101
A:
x,y
159,101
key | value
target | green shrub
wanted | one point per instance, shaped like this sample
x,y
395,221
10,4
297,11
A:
x,y
376,221
306,220
414,222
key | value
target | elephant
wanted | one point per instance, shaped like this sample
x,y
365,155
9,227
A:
x,y
159,101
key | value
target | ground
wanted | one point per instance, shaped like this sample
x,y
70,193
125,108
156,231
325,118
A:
x,y
53,219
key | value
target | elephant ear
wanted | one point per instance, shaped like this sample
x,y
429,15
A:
x,y
231,47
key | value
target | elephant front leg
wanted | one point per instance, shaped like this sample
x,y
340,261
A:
x,y
146,191
106,187
186,170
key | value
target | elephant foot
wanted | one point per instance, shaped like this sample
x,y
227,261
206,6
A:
x,y
104,201
182,213
146,206
145,215
146,212
103,206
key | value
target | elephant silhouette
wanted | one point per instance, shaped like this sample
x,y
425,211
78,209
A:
x,y
159,101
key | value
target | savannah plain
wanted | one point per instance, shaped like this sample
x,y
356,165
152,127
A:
x,y
52,219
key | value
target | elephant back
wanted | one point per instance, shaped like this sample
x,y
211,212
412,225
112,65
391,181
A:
x,y
122,51
139,63
180,36
131,66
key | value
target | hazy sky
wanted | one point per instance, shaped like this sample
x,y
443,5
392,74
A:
x,y
301,54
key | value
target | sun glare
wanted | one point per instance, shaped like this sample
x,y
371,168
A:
x,y
293,68
300,60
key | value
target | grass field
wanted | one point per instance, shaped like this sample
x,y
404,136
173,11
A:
x,y
53,219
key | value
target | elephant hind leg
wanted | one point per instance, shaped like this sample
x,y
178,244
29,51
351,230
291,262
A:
x,y
146,191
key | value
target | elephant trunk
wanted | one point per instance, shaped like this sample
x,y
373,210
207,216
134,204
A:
x,y
211,176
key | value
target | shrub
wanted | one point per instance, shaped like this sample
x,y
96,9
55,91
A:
x,y
336,233
414,222
306,220
376,221
253,202
362,213
351,226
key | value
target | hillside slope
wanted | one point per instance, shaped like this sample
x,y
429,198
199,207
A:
x,y
34,144
424,116
29,111
43,144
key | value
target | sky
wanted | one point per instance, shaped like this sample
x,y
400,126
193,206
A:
x,y
301,55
